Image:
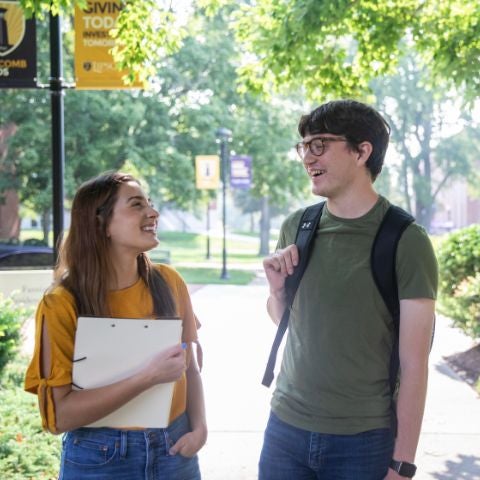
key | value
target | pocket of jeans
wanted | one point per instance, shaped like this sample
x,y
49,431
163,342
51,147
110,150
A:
x,y
176,431
89,451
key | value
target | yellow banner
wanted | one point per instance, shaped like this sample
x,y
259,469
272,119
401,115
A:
x,y
94,64
207,170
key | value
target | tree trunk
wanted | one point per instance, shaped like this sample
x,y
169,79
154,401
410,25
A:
x,y
264,227
45,220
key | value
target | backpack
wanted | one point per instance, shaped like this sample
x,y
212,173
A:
x,y
382,262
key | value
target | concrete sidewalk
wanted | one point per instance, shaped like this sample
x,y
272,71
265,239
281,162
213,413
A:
x,y
236,336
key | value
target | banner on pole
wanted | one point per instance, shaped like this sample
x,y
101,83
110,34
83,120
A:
x,y
94,64
240,171
207,172
18,48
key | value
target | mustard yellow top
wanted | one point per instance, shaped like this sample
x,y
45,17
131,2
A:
x,y
57,309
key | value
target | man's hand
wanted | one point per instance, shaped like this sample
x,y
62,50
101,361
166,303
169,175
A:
x,y
279,266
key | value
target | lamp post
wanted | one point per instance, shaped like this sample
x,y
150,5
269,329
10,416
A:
x,y
224,135
58,140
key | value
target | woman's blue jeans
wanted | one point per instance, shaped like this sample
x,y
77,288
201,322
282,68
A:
x,y
290,453
110,454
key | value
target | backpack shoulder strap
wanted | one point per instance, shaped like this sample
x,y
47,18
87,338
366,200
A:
x,y
383,256
305,234
382,262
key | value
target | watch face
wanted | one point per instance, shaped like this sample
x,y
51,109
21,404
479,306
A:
x,y
407,469
404,469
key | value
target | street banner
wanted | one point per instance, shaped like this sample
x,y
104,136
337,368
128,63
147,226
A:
x,y
18,48
207,172
94,64
240,171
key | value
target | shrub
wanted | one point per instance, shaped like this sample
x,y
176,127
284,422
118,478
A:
x,y
459,268
26,452
11,320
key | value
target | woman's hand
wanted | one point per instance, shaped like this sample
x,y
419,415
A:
x,y
166,366
190,443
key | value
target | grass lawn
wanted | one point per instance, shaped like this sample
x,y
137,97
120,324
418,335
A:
x,y
191,249
187,253
210,276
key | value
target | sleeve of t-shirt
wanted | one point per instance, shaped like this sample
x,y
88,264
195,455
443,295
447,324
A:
x,y
179,289
416,265
57,312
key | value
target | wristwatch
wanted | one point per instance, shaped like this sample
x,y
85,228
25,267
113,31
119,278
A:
x,y
404,469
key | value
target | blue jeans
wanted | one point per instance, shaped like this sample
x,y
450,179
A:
x,y
290,453
110,454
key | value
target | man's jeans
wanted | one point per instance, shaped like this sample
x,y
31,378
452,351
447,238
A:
x,y
290,453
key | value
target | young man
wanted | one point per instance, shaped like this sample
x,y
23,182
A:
x,y
332,409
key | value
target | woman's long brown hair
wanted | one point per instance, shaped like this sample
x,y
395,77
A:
x,y
85,267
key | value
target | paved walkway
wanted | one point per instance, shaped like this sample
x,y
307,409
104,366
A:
x,y
236,337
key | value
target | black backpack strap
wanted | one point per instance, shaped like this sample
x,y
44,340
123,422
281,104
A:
x,y
304,241
382,257
382,262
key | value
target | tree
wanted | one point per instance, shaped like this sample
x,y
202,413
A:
x,y
430,159
159,132
336,47
198,84
268,133
328,47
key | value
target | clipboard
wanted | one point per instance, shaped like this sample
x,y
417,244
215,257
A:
x,y
110,349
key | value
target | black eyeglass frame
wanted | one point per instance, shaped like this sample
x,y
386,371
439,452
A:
x,y
317,149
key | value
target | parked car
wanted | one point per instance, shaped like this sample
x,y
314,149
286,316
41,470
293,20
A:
x,y
25,256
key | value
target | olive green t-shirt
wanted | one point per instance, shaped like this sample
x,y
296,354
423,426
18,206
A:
x,y
334,376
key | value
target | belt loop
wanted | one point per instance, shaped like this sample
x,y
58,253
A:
x,y
123,443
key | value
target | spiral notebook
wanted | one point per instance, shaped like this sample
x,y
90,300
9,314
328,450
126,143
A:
x,y
110,349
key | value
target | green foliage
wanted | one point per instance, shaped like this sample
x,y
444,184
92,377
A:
x,y
41,7
26,452
144,32
336,47
459,265
329,47
11,320
447,33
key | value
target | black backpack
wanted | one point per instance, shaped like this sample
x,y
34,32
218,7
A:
x,y
382,261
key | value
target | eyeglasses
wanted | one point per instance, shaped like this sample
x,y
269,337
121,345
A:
x,y
316,146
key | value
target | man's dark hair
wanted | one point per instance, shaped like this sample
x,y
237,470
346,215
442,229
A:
x,y
355,121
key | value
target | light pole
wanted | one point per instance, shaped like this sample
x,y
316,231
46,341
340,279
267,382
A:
x,y
58,140
224,135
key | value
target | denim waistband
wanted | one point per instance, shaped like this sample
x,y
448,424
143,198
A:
x,y
138,436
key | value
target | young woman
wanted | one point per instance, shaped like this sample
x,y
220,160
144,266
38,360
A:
x,y
103,271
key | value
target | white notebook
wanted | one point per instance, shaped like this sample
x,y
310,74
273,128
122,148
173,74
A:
x,y
110,349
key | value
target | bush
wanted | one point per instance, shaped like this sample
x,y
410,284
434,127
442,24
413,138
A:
x,y
11,320
26,452
459,268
